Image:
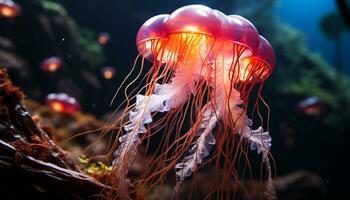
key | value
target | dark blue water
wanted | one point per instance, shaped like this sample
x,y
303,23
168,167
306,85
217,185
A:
x,y
305,15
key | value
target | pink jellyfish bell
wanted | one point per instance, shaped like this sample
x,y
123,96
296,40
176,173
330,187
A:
x,y
192,31
204,67
239,39
62,103
193,19
311,106
260,65
51,64
151,38
9,9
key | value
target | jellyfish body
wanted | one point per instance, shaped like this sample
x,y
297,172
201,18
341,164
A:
x,y
207,59
108,72
103,38
51,64
62,103
9,9
311,106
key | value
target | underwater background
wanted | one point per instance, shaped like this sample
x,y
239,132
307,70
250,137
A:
x,y
307,21
92,45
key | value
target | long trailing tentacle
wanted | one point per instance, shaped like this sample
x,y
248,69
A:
x,y
164,98
258,139
161,101
200,148
261,142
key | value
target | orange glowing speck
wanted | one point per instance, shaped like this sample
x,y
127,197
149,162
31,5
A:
x,y
7,12
57,106
108,72
52,67
104,38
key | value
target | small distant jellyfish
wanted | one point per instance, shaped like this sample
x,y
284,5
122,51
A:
x,y
62,103
310,106
51,64
108,72
9,9
104,38
204,66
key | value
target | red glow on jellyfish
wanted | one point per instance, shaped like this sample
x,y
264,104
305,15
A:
x,y
205,65
51,64
104,38
62,103
9,9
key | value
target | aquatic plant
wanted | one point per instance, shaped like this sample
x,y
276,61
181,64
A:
x,y
54,7
333,27
30,153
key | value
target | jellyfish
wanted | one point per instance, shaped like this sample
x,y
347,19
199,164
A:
x,y
310,106
108,72
51,64
104,38
62,103
204,66
9,9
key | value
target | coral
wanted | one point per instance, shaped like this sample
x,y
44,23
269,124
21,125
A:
x,y
31,163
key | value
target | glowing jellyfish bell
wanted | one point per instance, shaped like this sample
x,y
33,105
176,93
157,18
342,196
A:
x,y
9,9
311,106
238,39
179,37
151,38
63,103
193,19
195,28
108,72
51,64
260,65
104,38
204,64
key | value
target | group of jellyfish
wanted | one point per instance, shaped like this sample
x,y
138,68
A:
x,y
204,64
62,102
59,102
54,63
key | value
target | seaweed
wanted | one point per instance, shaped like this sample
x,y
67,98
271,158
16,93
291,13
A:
x,y
29,153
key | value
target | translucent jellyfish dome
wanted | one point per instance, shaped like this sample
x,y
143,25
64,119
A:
x,y
9,9
63,103
51,64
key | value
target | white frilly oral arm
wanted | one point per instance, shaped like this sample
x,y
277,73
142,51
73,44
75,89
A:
x,y
165,97
201,147
258,139
261,141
